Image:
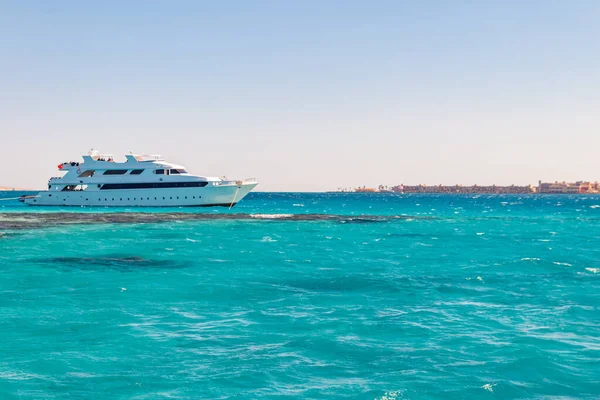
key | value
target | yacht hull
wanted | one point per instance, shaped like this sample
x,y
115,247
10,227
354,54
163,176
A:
x,y
208,196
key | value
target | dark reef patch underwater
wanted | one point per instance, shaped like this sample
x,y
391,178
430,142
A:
x,y
304,296
20,220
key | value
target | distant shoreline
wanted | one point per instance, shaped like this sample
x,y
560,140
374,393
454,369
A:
x,y
11,189
456,193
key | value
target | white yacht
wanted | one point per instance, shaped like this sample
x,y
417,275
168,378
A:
x,y
142,180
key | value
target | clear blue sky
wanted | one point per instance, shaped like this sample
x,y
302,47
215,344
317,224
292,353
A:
x,y
306,95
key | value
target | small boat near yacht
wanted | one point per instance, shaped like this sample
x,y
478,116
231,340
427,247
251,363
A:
x,y
141,180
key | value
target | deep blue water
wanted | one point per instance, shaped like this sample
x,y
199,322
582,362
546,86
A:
x,y
468,297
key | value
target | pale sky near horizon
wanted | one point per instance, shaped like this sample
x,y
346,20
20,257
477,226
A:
x,y
306,95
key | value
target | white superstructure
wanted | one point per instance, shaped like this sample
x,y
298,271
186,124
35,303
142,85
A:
x,y
141,180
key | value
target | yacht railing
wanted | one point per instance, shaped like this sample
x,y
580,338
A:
x,y
234,183
148,157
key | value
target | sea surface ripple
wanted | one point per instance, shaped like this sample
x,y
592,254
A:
x,y
304,296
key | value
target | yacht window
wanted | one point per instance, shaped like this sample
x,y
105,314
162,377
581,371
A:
x,y
87,174
115,172
159,171
174,171
136,172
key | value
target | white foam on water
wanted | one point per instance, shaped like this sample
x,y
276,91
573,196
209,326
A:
x,y
594,270
562,263
489,387
480,233
268,239
298,205
530,259
595,206
271,216
393,395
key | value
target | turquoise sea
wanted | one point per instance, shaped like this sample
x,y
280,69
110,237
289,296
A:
x,y
353,296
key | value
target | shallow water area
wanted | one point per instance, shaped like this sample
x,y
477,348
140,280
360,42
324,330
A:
x,y
304,296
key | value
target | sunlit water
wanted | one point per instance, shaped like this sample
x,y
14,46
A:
x,y
462,297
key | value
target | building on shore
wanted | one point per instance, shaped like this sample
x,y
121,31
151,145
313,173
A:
x,y
365,190
578,187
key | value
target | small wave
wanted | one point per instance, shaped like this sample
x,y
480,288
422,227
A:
x,y
268,239
593,270
298,205
20,376
562,263
595,206
530,259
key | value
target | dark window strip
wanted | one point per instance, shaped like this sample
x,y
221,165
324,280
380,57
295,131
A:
x,y
152,185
